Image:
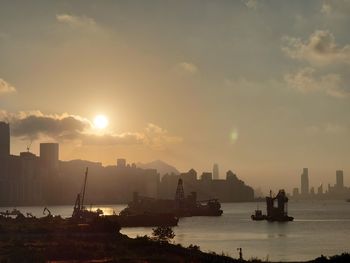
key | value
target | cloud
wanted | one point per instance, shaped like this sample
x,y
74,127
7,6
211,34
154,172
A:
x,y
128,138
320,49
158,137
252,4
327,128
336,7
78,22
329,62
187,68
326,8
306,80
6,87
35,125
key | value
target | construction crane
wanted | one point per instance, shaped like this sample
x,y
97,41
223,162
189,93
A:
x,y
79,202
84,187
29,145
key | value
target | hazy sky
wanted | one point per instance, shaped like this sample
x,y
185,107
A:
x,y
260,87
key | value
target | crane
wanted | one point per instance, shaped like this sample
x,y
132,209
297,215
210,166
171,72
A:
x,y
29,145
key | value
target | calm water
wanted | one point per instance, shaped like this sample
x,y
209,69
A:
x,y
320,227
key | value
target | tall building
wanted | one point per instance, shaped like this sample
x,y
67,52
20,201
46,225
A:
x,y
216,171
320,190
304,189
4,140
339,179
121,163
49,157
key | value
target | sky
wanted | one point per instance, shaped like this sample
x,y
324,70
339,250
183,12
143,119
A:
x,y
259,87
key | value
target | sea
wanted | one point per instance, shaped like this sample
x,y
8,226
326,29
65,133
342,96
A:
x,y
319,228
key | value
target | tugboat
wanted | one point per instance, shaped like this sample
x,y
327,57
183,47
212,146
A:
x,y
279,213
258,215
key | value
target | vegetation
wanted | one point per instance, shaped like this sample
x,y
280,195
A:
x,y
343,258
163,233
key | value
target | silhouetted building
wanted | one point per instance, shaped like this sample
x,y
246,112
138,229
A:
x,y
336,192
230,190
320,190
304,182
121,163
206,176
339,179
4,140
216,171
49,157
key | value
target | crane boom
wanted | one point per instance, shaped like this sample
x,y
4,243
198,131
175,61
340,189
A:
x,y
82,200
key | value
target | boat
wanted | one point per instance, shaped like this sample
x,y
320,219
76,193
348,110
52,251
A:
x,y
258,215
277,213
180,206
125,218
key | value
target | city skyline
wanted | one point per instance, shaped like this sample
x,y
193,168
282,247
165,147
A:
x,y
49,159
192,83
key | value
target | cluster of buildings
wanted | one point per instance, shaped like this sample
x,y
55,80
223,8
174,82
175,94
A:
x,y
28,179
337,191
230,189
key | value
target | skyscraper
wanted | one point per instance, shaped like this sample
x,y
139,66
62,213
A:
x,y
304,189
4,140
49,156
339,179
216,171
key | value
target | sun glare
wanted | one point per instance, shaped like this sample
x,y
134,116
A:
x,y
100,122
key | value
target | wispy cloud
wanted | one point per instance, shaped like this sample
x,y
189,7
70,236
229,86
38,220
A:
x,y
306,80
320,49
6,87
158,137
336,7
252,4
328,70
186,68
79,22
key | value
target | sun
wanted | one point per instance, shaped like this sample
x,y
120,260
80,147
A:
x,y
100,122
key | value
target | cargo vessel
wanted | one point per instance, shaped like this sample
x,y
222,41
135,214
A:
x,y
180,206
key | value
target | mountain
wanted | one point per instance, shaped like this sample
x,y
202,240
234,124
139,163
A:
x,y
162,167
